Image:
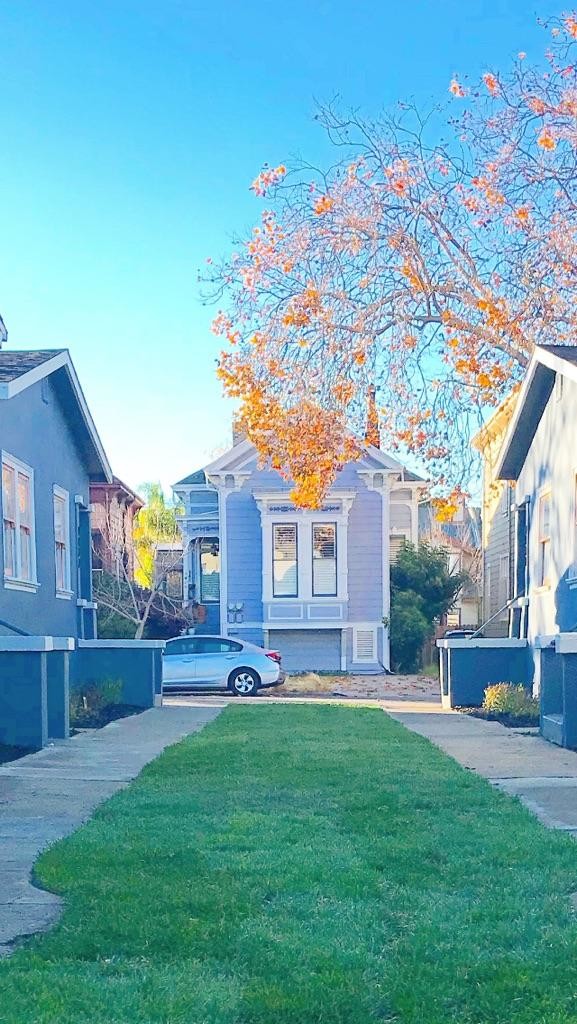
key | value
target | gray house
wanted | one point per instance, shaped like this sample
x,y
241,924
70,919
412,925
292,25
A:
x,y
51,453
538,458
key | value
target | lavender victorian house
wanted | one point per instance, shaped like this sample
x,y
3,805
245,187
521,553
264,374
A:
x,y
315,584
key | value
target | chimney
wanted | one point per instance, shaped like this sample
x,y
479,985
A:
x,y
238,431
3,333
372,433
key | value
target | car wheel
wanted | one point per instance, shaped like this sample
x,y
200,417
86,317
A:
x,y
244,682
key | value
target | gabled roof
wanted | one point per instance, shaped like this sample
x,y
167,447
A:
x,y
546,362
19,370
16,364
244,452
194,478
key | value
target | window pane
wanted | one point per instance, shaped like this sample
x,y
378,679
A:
x,y
324,560
25,560
285,581
61,581
59,520
24,499
175,647
209,571
9,548
545,527
8,503
174,583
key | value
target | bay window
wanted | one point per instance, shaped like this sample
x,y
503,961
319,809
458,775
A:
x,y
284,560
18,522
324,560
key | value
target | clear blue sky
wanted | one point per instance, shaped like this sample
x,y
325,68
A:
x,y
130,131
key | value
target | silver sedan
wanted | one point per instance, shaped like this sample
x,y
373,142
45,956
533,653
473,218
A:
x,y
218,662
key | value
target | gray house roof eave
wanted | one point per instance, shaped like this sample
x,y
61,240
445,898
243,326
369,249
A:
x,y
67,385
546,362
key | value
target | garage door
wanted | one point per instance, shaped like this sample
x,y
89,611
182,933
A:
x,y
308,650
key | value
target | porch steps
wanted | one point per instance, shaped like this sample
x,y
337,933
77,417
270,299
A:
x,y
552,728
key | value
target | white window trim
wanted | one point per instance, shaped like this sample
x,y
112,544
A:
x,y
332,523
64,593
304,520
16,582
544,586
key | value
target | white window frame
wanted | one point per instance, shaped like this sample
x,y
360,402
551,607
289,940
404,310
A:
x,y
62,495
16,582
544,542
304,519
295,527
334,527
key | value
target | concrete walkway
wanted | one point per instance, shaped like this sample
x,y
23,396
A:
x,y
542,775
47,795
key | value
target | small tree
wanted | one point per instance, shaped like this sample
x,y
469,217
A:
x,y
423,590
129,602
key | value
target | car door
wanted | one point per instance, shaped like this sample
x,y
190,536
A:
x,y
178,663
215,660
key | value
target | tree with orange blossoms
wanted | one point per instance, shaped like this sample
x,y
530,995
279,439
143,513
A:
x,y
428,268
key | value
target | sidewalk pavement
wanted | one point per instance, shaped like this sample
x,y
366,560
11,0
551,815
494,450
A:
x,y
542,775
47,795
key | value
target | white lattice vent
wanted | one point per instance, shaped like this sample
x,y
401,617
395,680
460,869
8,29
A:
x,y
364,644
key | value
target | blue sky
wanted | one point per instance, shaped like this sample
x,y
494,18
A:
x,y
130,131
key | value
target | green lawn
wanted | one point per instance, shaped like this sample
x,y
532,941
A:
x,y
304,865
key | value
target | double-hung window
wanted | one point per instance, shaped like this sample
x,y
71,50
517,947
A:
x,y
61,506
324,560
18,522
544,578
284,560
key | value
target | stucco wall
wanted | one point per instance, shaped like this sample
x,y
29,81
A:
x,y
34,430
552,462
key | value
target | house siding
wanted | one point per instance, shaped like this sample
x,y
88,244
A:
x,y
497,553
33,429
244,553
365,560
553,463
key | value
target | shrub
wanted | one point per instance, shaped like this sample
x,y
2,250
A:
x,y
409,630
89,701
512,701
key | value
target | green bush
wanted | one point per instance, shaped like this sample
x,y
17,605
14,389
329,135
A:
x,y
89,701
512,701
409,629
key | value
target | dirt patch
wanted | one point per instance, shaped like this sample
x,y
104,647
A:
x,y
97,718
379,687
